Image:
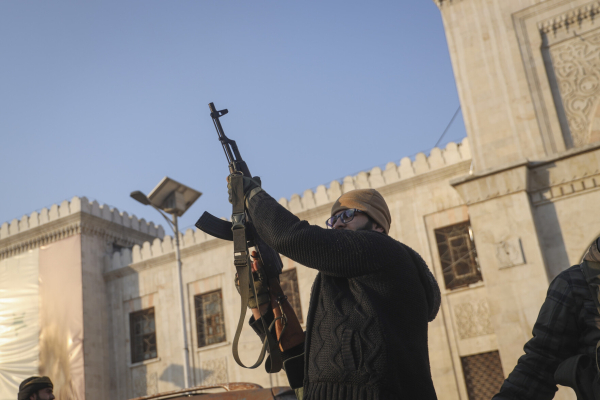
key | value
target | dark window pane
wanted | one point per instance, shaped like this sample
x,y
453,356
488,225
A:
x,y
483,375
143,335
458,255
289,284
210,326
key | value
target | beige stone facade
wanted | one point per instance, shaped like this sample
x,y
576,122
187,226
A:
x,y
527,181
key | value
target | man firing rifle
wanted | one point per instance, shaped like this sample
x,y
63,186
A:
x,y
366,332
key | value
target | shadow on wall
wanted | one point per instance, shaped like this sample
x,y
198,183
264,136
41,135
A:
x,y
174,373
145,383
548,228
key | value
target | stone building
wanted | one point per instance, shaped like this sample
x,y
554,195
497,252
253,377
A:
x,y
53,315
496,217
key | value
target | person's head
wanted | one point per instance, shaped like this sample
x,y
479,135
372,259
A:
x,y
363,209
36,388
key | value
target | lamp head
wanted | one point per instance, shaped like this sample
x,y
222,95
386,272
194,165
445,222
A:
x,y
141,197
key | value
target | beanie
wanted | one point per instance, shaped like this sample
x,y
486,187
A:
x,y
370,201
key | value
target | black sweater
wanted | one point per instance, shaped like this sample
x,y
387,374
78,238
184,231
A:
x,y
366,331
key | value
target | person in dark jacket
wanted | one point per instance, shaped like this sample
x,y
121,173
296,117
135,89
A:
x,y
567,325
366,331
36,388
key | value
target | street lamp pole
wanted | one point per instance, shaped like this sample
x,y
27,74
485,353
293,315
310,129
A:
x,y
186,350
174,198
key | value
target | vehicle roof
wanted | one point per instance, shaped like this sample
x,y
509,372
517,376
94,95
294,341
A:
x,y
232,391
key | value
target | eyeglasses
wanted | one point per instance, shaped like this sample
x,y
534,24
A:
x,y
346,216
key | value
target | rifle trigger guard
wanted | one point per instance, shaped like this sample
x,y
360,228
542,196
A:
x,y
238,221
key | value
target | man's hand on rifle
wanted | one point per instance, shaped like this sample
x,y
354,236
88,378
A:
x,y
251,187
293,334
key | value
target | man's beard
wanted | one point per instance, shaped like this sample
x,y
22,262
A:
x,y
368,226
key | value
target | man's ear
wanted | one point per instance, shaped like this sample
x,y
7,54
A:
x,y
378,228
33,396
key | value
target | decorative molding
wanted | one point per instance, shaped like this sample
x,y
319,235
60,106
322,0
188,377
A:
x,y
572,18
576,64
489,185
144,384
559,176
473,319
42,239
566,190
77,205
214,371
552,122
62,228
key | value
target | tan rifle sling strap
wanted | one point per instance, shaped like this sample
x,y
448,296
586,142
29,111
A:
x,y
243,265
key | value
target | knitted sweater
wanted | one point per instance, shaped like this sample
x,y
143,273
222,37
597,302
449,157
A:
x,y
366,331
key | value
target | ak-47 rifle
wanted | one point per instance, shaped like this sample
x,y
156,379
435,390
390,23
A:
x,y
244,235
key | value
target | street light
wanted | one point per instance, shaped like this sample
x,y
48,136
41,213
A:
x,y
173,198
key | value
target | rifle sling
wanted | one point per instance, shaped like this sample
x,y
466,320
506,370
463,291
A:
x,y
243,265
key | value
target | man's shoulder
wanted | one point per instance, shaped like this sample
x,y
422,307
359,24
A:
x,y
572,275
572,282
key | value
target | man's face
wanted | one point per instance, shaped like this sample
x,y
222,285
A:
x,y
44,394
359,222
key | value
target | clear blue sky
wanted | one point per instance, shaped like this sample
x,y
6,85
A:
x,y
100,98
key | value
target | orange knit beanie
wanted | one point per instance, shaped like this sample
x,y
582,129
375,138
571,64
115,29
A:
x,y
368,200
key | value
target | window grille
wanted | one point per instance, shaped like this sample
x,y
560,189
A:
x,y
143,335
483,375
289,284
210,324
458,255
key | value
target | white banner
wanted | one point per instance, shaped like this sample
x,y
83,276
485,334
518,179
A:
x,y
19,321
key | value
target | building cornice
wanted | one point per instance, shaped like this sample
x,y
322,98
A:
x,y
56,212
545,180
73,224
571,18
121,264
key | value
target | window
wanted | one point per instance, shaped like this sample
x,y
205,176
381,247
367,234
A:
x,y
210,324
289,284
483,375
143,335
458,255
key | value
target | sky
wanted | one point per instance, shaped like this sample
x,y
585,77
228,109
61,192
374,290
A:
x,y
101,98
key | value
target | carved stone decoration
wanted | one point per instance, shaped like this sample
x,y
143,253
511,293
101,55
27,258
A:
x,y
576,64
473,319
214,371
509,253
152,383
139,386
